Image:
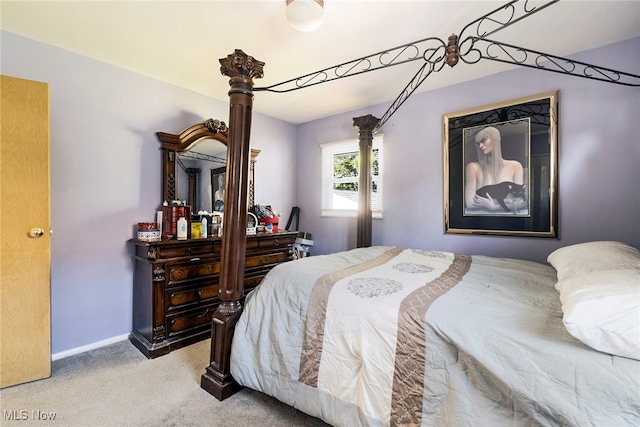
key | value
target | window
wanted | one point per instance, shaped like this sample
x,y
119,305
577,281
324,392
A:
x,y
340,165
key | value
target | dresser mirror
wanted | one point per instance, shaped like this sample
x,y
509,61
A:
x,y
193,173
191,159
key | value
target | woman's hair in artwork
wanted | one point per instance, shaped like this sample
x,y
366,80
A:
x,y
491,164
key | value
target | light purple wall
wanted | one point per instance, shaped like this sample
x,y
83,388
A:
x,y
105,176
105,167
598,162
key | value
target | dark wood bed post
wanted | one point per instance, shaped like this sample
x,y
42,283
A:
x,y
366,125
241,69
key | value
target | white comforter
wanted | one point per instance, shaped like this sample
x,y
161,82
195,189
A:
x,y
385,336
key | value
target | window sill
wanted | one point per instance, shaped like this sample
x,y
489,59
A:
x,y
338,213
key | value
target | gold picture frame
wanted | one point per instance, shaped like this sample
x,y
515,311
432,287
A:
x,y
500,168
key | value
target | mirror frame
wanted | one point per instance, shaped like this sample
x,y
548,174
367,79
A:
x,y
171,144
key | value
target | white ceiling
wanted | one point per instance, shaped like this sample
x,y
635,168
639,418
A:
x,y
180,42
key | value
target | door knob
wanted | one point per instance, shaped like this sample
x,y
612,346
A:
x,y
36,232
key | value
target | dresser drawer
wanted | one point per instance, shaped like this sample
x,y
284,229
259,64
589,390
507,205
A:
x,y
180,299
188,250
271,241
265,259
180,323
177,274
253,281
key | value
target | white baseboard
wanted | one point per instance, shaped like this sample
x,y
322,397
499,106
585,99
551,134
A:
x,y
92,346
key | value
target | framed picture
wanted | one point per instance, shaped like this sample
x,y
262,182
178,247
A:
x,y
218,180
500,168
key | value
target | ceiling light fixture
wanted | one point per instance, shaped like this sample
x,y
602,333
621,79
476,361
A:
x,y
305,15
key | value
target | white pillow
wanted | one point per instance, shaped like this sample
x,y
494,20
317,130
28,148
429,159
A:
x,y
602,309
576,260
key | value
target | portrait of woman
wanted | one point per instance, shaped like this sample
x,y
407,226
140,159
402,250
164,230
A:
x,y
217,184
500,168
493,184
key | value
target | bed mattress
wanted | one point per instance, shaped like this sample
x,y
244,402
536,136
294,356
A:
x,y
386,336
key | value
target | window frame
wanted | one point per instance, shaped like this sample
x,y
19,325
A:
x,y
329,150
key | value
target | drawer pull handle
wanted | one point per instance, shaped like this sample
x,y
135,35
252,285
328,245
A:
x,y
195,259
204,314
199,294
276,243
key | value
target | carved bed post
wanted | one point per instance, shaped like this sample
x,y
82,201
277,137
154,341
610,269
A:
x,y
241,69
366,125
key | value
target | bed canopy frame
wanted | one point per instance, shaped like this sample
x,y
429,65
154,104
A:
x,y
471,46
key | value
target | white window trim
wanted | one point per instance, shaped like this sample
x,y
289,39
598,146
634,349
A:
x,y
328,151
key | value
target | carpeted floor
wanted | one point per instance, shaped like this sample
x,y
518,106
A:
x,y
117,386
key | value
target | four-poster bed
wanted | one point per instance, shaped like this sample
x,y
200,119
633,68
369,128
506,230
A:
x,y
322,274
389,336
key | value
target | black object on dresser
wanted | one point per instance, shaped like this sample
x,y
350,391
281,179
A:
x,y
176,283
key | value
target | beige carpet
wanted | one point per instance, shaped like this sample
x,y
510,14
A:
x,y
117,386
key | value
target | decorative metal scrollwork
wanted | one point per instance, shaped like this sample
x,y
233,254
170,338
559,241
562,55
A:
x,y
506,53
191,154
496,20
471,46
431,50
411,87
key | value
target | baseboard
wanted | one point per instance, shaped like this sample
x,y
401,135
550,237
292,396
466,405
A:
x,y
92,346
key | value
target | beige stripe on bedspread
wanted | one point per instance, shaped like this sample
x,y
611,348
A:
x,y
316,312
408,378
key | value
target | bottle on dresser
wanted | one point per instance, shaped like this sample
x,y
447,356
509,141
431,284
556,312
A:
x,y
182,228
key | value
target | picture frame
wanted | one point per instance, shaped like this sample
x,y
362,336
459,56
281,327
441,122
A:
x,y
500,168
218,181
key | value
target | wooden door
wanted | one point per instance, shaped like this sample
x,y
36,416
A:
x,y
25,250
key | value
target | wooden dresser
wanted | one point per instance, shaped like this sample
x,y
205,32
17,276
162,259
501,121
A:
x,y
175,289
